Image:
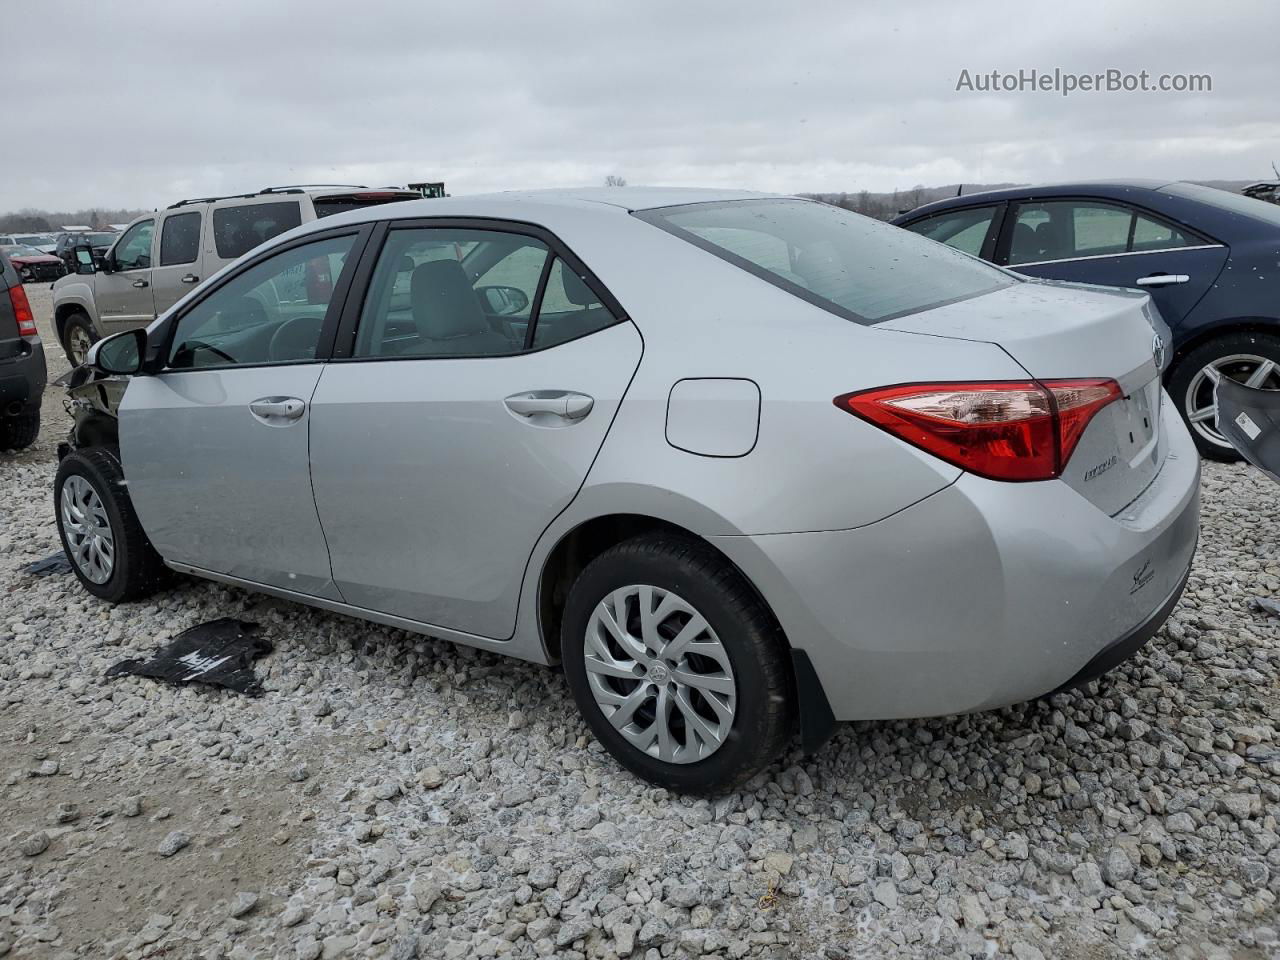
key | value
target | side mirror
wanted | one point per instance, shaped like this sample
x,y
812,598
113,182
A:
x,y
504,301
120,354
84,261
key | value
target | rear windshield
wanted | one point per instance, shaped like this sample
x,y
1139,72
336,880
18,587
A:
x,y
328,206
857,268
1233,202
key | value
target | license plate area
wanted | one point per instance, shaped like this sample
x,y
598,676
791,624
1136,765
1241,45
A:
x,y
1137,421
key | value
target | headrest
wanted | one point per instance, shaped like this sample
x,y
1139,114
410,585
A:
x,y
1024,242
443,302
575,289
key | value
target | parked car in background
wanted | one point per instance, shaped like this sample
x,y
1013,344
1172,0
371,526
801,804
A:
x,y
22,366
1207,257
44,242
731,459
33,265
98,241
1268,190
161,256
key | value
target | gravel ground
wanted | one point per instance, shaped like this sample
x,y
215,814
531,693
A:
x,y
395,797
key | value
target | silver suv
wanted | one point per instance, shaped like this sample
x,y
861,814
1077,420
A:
x,y
161,256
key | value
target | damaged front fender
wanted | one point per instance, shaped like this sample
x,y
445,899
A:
x,y
93,399
1250,419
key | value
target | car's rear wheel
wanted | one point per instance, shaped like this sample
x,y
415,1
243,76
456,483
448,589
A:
x,y
676,665
20,432
1249,358
77,337
101,535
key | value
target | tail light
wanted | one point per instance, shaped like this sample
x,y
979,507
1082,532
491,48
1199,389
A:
x,y
1007,430
22,311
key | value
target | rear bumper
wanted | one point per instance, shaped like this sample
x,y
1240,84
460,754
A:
x,y
981,595
22,379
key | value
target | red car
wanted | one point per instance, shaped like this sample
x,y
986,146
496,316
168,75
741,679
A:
x,y
31,264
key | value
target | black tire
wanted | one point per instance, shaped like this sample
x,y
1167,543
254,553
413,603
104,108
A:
x,y
757,652
25,275
1183,375
76,322
20,432
138,570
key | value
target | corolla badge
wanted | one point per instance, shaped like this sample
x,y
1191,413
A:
x,y
1141,577
1157,350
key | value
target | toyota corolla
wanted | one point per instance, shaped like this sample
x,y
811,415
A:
x,y
741,464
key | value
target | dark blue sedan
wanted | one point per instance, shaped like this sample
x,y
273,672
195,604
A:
x,y
1210,260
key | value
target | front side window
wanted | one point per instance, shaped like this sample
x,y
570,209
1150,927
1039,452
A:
x,y
133,252
965,230
273,312
445,292
180,239
855,267
237,230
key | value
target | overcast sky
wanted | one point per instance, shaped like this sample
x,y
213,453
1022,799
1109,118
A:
x,y
142,103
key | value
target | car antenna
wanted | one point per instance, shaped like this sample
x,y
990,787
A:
x,y
959,189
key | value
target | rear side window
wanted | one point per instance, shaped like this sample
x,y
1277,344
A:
x,y
963,229
180,239
237,230
855,267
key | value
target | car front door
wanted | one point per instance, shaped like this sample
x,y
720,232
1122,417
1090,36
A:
x,y
177,269
123,295
483,373
1096,241
215,445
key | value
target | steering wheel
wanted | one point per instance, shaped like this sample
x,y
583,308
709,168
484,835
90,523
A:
x,y
296,339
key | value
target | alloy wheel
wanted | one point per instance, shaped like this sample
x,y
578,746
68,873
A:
x,y
78,344
88,530
1201,409
659,674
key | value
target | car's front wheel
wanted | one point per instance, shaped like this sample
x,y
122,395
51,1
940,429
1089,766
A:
x,y
101,535
77,337
678,668
1246,357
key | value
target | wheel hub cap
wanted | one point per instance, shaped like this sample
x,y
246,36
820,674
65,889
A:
x,y
90,542
659,674
1202,410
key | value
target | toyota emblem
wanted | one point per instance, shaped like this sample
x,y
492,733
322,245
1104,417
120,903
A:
x,y
1157,351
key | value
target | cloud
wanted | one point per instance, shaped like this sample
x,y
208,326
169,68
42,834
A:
x,y
174,100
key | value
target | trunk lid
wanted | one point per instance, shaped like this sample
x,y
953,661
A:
x,y
1065,331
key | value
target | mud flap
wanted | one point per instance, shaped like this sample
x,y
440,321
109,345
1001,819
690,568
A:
x,y
1250,419
817,722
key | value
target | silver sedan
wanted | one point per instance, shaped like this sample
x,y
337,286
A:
x,y
744,465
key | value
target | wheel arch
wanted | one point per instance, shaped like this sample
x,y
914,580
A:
x,y
589,538
63,312
1222,328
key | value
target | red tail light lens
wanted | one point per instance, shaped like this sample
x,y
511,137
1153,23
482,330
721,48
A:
x,y
22,311
1006,430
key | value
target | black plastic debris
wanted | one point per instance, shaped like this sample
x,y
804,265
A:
x,y
220,652
58,563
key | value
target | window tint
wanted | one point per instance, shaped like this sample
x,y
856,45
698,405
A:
x,y
133,252
569,309
180,239
450,292
1151,234
963,229
858,268
237,230
271,313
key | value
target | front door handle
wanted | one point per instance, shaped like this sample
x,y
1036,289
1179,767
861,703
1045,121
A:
x,y
278,410
141,283
189,278
541,406
1162,279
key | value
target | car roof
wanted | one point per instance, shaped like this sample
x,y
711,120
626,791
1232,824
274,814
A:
x,y
624,199
1114,189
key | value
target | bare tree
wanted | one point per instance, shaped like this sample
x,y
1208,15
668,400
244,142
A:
x,y
613,180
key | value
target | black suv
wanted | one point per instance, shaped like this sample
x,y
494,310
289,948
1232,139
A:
x,y
22,369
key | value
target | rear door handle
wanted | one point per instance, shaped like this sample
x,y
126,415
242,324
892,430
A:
x,y
190,278
140,283
543,405
278,410
1162,279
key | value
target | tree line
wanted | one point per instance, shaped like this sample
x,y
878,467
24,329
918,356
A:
x,y
45,221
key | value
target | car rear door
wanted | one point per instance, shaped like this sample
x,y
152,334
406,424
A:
x,y
1099,241
215,445
482,373
177,268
